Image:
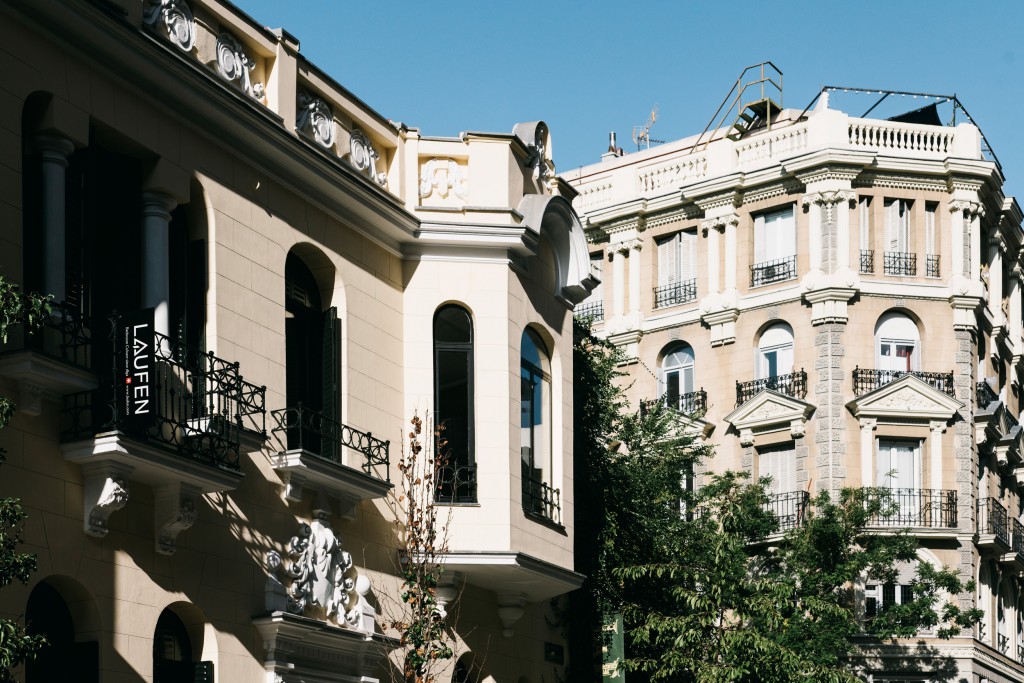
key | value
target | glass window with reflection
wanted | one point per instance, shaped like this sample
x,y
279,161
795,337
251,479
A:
x,y
535,432
453,403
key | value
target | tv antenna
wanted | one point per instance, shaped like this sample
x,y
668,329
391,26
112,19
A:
x,y
642,134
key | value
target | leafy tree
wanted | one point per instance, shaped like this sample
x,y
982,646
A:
x,y
705,597
16,646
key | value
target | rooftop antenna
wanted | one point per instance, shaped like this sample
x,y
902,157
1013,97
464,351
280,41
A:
x,y
642,134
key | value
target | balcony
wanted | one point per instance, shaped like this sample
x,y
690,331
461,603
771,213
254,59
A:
x,y
592,311
675,293
793,384
789,509
931,267
692,403
994,530
313,457
865,380
773,271
455,484
986,395
867,261
900,263
915,508
55,358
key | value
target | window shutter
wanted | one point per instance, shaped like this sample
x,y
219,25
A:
x,y
891,240
331,366
787,234
203,672
668,261
596,263
929,229
688,255
904,226
865,223
760,251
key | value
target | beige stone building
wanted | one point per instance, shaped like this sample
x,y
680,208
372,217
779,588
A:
x,y
837,303
258,280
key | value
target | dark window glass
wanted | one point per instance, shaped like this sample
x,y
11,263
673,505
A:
x,y
453,403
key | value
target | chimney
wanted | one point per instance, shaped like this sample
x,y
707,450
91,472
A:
x,y
613,151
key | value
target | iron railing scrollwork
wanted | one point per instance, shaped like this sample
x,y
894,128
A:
x,y
64,334
923,508
323,436
455,483
793,384
593,311
691,403
867,261
540,498
931,265
899,263
866,379
675,293
789,509
773,271
201,404
993,520
986,395
1017,539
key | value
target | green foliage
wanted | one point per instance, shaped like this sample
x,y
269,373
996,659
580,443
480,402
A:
x,y
705,597
15,645
423,635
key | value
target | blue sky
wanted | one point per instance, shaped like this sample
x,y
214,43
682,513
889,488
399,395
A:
x,y
588,68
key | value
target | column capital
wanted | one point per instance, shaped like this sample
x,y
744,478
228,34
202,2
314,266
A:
x,y
157,204
632,245
828,198
970,209
937,426
719,223
868,424
53,148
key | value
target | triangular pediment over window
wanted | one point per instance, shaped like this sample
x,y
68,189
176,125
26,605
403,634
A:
x,y
908,399
770,411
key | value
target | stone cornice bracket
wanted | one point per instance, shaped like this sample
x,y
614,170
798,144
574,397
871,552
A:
x,y
315,119
105,491
363,157
829,304
719,224
175,510
177,19
233,64
965,312
746,437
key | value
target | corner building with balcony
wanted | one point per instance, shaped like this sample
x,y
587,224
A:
x,y
836,302
258,280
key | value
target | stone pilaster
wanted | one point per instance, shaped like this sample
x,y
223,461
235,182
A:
x,y
829,416
965,451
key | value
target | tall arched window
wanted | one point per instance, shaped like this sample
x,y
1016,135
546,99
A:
x,y
775,352
313,352
535,432
1004,618
453,403
897,343
676,378
63,659
172,651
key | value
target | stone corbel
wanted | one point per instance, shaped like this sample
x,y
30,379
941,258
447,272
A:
x,y
965,312
723,325
295,483
105,491
747,438
510,610
829,304
797,428
174,508
447,591
31,396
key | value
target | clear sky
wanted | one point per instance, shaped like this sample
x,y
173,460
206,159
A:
x,y
594,66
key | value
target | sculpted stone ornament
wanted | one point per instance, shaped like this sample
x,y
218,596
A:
x,y
170,529
443,176
112,498
323,576
234,65
177,19
363,158
315,118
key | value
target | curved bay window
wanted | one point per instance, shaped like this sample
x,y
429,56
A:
x,y
313,351
539,497
453,404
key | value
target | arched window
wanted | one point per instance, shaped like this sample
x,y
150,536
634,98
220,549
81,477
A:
x,y
535,432
172,651
1004,618
897,343
313,353
775,352
676,378
63,659
453,403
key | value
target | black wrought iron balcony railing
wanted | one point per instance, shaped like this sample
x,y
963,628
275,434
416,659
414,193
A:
x,y
200,405
789,508
773,271
1017,537
316,433
994,520
64,335
691,403
986,395
455,483
675,293
921,508
593,311
539,497
931,266
1003,643
867,260
793,384
865,379
900,263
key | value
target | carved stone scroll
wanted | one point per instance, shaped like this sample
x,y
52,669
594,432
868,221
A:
x,y
177,22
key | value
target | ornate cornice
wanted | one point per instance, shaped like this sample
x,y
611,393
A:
x,y
900,181
658,220
363,157
731,197
780,188
315,119
178,23
233,64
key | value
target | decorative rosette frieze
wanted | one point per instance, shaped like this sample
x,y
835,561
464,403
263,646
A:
x,y
443,177
177,20
234,65
363,158
315,119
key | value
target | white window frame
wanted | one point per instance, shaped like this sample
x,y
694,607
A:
x,y
774,235
677,258
772,342
892,331
897,225
778,462
686,371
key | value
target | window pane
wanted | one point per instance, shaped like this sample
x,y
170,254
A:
x,y
453,324
454,403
